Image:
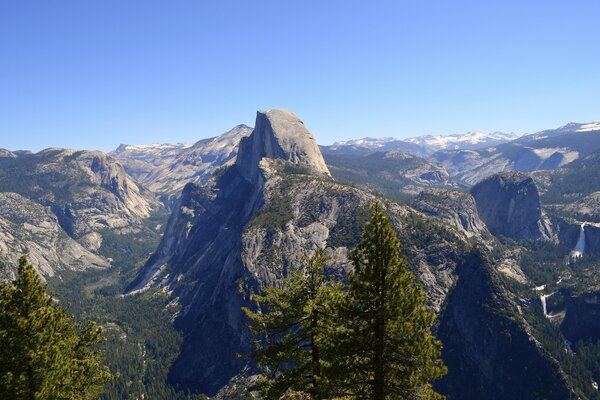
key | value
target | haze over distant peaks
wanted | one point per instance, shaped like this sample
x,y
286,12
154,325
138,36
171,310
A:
x,y
469,140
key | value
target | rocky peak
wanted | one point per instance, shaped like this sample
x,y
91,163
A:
x,y
167,168
279,134
7,153
88,191
28,228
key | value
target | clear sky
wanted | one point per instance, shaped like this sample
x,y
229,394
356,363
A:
x,y
93,74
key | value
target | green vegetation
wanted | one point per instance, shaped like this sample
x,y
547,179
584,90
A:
x,y
557,347
370,340
23,175
141,342
375,172
349,227
388,351
543,261
276,213
44,354
574,181
294,338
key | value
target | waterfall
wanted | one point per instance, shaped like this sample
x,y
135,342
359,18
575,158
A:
x,y
580,246
545,305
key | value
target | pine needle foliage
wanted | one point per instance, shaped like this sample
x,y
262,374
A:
x,y
387,350
44,353
293,333
370,339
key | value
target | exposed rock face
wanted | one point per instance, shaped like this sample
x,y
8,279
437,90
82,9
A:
x,y
509,205
248,229
252,224
28,228
166,169
279,134
227,241
6,153
458,208
569,233
142,161
87,190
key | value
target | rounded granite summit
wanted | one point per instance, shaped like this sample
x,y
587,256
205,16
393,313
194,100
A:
x,y
279,134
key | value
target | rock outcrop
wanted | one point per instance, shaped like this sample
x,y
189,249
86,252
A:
x,y
509,204
253,223
142,161
88,191
456,207
279,134
30,229
166,169
6,153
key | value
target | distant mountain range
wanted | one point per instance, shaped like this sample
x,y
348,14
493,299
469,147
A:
x,y
166,168
420,145
470,140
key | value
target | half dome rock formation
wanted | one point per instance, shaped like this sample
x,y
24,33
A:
x,y
248,228
509,204
253,223
279,134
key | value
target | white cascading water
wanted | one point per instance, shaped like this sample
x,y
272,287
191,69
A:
x,y
580,246
544,305
576,253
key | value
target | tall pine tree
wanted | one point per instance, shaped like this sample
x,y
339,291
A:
x,y
387,350
293,330
44,354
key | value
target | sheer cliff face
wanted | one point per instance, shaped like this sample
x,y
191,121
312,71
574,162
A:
x,y
252,224
509,204
487,346
279,134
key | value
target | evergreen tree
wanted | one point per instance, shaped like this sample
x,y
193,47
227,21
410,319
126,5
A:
x,y
388,350
294,333
44,354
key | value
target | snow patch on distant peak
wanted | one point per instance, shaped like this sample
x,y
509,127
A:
x,y
471,138
140,148
592,126
367,142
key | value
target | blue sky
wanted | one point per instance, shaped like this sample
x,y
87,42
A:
x,y
93,74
